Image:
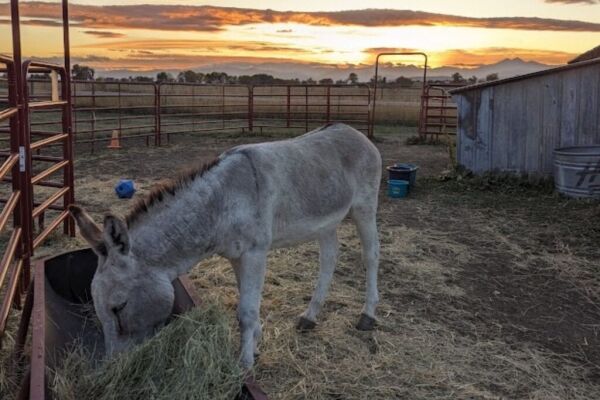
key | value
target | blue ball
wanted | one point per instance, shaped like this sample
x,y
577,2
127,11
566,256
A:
x,y
125,189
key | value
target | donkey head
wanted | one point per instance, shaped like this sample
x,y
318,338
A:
x,y
131,300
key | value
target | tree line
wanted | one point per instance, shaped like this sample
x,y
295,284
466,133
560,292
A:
x,y
86,73
458,79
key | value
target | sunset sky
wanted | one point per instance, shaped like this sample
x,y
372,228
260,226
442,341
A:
x,y
182,34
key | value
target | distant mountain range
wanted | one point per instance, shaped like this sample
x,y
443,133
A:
x,y
290,70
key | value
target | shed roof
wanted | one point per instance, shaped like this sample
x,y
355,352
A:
x,y
549,71
588,55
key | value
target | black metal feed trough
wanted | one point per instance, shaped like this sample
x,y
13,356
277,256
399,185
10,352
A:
x,y
61,288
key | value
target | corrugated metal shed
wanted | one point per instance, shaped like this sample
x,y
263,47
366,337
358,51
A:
x,y
514,124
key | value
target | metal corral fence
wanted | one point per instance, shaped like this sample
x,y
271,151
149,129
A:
x,y
190,108
438,110
307,106
129,108
152,112
11,216
32,185
36,175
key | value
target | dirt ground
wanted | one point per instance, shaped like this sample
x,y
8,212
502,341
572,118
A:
x,y
489,289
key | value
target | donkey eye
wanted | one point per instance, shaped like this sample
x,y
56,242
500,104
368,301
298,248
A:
x,y
117,309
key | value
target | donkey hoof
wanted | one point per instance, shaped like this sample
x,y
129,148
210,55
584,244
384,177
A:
x,y
366,323
305,324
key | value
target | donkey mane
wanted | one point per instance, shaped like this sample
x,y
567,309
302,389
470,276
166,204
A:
x,y
167,187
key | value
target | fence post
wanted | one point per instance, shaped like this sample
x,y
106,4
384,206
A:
x,y
157,133
223,107
20,211
251,108
369,115
119,109
289,106
18,136
328,103
69,174
25,167
306,108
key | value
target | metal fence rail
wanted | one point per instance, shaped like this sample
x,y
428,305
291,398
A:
x,y
195,108
41,169
127,108
307,106
12,259
438,112
376,83
35,149
154,112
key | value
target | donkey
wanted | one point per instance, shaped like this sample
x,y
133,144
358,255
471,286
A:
x,y
251,199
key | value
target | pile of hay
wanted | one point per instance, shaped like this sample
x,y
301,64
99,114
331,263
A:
x,y
191,358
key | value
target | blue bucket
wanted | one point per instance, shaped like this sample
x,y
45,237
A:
x,y
403,172
397,188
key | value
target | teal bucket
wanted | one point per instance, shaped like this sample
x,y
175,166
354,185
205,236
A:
x,y
398,188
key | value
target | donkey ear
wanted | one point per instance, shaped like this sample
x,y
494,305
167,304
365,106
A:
x,y
88,228
115,234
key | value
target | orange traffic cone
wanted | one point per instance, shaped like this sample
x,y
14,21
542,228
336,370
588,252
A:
x,y
115,141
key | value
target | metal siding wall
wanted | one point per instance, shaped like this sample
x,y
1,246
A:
x,y
551,120
570,108
464,141
533,121
483,141
517,125
500,129
588,105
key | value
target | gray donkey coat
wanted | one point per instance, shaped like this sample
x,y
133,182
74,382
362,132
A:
x,y
251,199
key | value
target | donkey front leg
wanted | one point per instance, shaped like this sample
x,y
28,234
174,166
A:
x,y
251,279
328,252
366,223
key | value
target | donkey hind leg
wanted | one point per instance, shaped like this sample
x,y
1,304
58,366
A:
x,y
365,219
251,279
236,265
328,252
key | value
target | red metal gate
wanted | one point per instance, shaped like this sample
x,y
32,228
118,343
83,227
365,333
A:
x,y
37,172
438,111
376,81
304,107
29,192
13,259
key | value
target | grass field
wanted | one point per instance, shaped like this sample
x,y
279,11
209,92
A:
x,y
489,287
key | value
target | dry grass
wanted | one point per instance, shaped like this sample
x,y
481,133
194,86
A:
x,y
10,374
409,355
191,358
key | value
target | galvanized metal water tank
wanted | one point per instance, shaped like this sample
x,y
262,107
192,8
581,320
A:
x,y
577,171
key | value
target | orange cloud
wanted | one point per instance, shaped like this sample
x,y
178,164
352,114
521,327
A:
x,y
105,34
33,21
143,61
195,46
478,57
210,18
